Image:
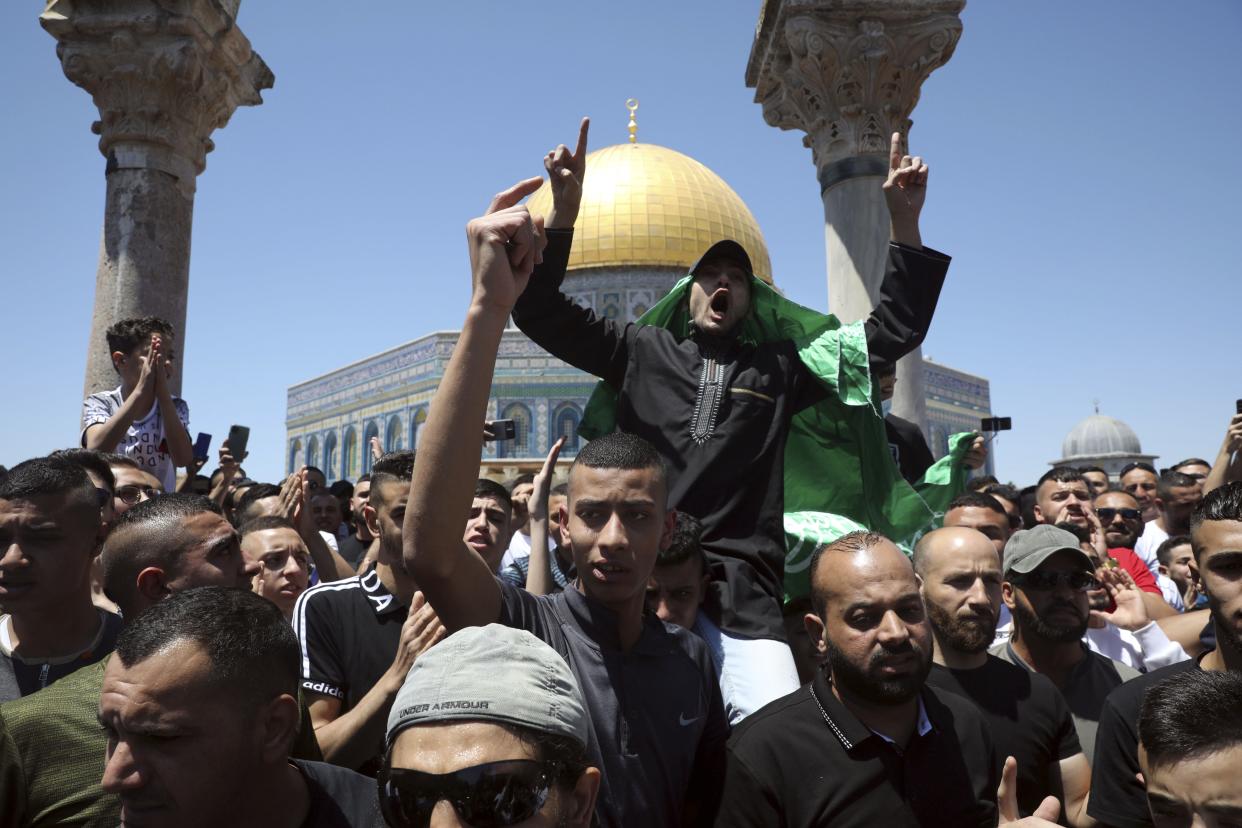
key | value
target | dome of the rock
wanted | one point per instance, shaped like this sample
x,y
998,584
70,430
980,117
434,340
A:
x,y
645,205
1099,436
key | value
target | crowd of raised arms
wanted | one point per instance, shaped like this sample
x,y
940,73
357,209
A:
x,y
627,647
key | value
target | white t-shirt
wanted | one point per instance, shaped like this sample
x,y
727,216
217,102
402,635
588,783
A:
x,y
144,440
1148,543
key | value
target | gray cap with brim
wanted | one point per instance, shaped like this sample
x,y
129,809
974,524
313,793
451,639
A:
x,y
1027,549
493,674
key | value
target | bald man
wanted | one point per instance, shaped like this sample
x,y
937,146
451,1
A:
x,y
1027,716
894,751
159,547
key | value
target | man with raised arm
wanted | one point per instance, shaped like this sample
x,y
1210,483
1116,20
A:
x,y
657,727
718,405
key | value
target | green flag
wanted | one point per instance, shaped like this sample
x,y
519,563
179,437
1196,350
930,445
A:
x,y
839,472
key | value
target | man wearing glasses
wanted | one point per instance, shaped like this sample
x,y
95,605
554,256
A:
x,y
1046,581
133,483
490,728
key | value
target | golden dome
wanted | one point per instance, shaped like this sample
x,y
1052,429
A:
x,y
645,204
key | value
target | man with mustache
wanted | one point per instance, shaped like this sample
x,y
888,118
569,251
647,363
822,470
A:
x,y
866,742
1046,581
1027,717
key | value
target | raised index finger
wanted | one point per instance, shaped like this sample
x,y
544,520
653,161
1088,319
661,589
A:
x,y
894,152
580,150
507,198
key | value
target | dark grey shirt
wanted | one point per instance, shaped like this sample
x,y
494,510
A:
x,y
1088,685
658,728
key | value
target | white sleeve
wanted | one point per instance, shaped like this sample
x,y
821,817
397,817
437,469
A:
x,y
1158,650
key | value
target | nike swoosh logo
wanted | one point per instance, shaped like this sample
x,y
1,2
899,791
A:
x,y
684,722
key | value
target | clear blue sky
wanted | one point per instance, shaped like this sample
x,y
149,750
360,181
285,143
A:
x,y
1083,177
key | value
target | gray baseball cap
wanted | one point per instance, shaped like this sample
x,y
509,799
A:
x,y
494,674
1028,548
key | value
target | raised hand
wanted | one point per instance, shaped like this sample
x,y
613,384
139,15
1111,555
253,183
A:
x,y
566,171
1131,612
505,245
977,455
537,506
421,631
1099,542
905,190
377,450
1007,802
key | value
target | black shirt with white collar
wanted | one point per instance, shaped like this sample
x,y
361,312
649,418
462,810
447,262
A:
x,y
657,723
349,631
805,761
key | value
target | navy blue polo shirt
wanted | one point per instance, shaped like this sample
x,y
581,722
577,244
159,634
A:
x,y
658,729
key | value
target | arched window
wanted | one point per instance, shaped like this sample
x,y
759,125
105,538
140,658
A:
x,y
312,454
520,445
350,460
417,419
295,456
416,427
392,434
565,424
330,454
372,430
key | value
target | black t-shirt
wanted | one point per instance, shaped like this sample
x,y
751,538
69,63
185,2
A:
x,y
339,798
32,676
1117,797
1027,718
657,724
805,761
352,550
349,631
909,448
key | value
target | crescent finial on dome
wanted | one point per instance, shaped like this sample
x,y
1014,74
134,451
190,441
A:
x,y
632,105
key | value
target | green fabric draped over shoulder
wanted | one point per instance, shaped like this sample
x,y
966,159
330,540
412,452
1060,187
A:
x,y
839,473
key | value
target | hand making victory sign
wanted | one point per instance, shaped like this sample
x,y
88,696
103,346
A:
x,y
905,190
565,174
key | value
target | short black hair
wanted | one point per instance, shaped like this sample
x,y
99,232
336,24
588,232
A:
x,y
317,470
342,488
1190,715
45,476
263,523
526,477
1164,552
978,484
253,652
147,536
1171,480
115,459
619,450
978,500
1222,503
1129,467
1005,490
1190,461
1097,469
128,334
1112,490
256,492
561,489
1026,506
393,467
684,544
490,488
1060,474
855,541
90,461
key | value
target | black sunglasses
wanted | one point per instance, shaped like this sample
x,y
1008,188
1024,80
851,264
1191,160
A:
x,y
1107,514
1046,581
491,795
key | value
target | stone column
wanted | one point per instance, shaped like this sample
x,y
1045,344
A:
x,y
164,75
848,74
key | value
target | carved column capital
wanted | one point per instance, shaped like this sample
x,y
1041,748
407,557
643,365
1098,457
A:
x,y
164,74
848,72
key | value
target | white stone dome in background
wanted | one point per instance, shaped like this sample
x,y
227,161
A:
x,y
1100,435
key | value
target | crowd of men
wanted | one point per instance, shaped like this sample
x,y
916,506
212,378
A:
x,y
424,647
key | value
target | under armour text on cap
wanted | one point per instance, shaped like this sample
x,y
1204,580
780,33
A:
x,y
726,249
1028,548
494,674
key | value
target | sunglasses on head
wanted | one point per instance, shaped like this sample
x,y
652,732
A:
x,y
1106,514
1046,581
491,795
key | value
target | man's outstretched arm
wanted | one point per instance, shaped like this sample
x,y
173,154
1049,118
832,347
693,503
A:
x,y
505,245
551,319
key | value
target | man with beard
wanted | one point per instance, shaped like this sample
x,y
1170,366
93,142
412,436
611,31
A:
x,y
1047,578
1118,798
1177,495
867,742
1122,520
354,546
1027,718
